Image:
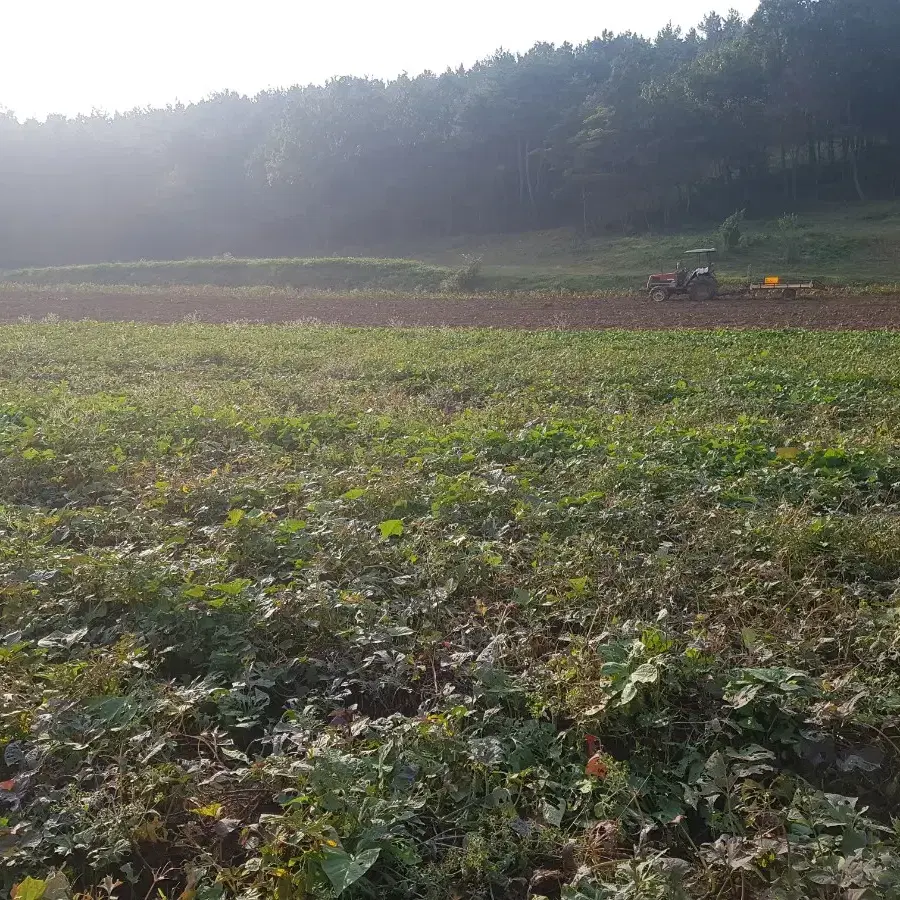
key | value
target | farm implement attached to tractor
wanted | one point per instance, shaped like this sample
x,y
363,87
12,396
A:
x,y
786,290
699,283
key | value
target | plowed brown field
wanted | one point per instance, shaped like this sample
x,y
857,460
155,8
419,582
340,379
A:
x,y
828,312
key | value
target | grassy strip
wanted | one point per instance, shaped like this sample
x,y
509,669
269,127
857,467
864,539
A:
x,y
322,274
258,293
264,292
346,276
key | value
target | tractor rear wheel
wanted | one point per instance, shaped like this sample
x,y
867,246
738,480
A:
x,y
659,294
703,288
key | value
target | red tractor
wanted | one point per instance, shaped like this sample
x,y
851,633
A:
x,y
699,284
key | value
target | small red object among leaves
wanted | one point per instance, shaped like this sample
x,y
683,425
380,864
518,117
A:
x,y
8,785
596,768
593,744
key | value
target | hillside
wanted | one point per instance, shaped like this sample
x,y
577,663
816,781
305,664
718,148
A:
x,y
854,246
782,112
847,245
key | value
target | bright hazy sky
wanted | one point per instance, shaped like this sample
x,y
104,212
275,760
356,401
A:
x,y
71,56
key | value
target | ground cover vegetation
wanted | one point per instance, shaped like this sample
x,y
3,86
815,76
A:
x,y
314,612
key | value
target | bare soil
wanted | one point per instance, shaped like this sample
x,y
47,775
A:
x,y
826,312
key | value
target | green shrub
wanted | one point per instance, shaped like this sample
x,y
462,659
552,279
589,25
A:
x,y
730,231
789,237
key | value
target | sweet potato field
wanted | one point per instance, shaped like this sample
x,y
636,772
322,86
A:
x,y
308,611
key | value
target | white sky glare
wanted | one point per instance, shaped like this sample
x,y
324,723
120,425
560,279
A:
x,y
72,56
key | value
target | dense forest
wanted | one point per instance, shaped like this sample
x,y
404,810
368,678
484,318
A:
x,y
795,106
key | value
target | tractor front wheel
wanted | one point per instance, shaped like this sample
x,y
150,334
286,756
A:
x,y
703,288
659,294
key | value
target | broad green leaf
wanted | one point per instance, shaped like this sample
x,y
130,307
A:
x,y
612,668
211,810
57,887
787,452
744,696
861,894
717,772
751,753
29,889
234,517
645,673
112,711
291,526
353,494
233,588
344,869
553,812
629,692
391,528
667,809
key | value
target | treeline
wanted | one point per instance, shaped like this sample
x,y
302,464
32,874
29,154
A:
x,y
797,105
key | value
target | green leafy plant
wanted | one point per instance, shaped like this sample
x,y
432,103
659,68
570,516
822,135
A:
x,y
789,237
730,230
280,619
466,277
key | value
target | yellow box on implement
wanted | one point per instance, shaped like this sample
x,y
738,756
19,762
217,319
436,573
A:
x,y
787,290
